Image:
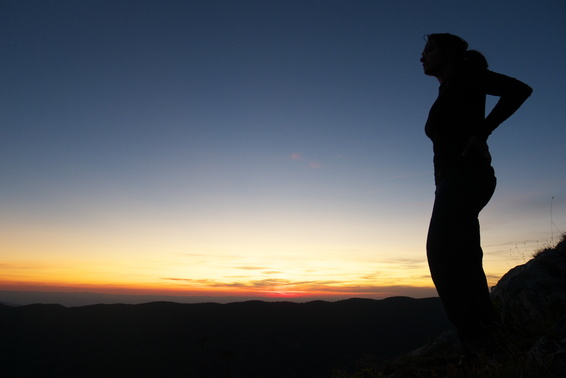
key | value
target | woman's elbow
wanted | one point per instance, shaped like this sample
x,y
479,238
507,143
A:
x,y
529,91
526,90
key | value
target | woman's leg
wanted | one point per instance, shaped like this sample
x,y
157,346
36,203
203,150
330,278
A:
x,y
455,256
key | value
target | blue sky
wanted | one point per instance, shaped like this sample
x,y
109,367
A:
x,y
268,146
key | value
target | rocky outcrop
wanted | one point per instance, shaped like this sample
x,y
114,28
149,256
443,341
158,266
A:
x,y
550,349
532,301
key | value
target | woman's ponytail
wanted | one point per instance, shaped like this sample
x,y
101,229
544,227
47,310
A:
x,y
475,59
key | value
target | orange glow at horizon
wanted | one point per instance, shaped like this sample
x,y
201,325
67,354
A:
x,y
268,290
176,265
216,292
318,287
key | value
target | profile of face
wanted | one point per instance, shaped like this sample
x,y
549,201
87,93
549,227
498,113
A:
x,y
435,60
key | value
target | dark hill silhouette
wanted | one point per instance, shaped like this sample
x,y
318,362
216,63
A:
x,y
243,339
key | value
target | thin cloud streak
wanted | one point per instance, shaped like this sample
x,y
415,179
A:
x,y
298,156
306,288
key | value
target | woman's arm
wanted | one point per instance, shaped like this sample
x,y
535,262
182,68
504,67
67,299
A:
x,y
511,92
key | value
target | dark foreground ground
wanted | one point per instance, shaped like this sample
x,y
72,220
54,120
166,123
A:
x,y
246,339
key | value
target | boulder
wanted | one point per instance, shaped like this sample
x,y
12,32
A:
x,y
550,349
532,297
532,301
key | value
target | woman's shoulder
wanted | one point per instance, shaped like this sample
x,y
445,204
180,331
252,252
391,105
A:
x,y
471,71
490,82
468,76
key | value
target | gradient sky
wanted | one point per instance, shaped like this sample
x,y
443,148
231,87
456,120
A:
x,y
257,148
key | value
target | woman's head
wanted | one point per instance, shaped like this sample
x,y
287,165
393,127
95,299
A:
x,y
444,52
452,45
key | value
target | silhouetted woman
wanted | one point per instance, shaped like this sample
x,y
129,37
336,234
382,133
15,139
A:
x,y
465,181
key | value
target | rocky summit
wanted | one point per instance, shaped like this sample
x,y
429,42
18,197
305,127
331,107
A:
x,y
531,299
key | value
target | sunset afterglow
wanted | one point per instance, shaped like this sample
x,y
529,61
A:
x,y
256,149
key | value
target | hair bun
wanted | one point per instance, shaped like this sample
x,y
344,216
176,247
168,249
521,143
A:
x,y
476,59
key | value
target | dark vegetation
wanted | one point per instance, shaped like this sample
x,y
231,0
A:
x,y
246,339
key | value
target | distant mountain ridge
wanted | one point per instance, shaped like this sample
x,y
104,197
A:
x,y
394,337
241,339
75,299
